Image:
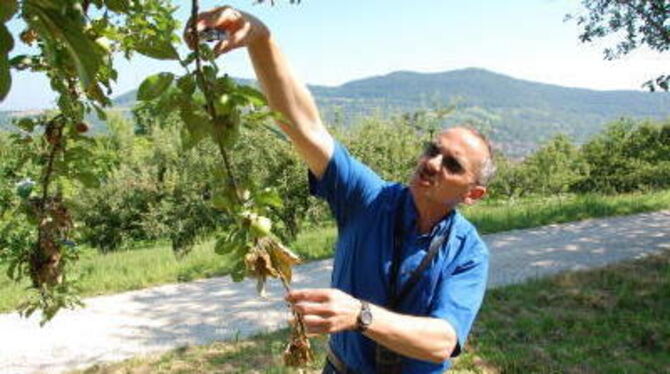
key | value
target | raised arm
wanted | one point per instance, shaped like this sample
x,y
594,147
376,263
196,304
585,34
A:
x,y
285,94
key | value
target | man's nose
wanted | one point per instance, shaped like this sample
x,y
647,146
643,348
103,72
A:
x,y
434,162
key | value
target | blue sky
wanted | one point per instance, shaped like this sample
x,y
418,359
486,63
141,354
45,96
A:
x,y
332,42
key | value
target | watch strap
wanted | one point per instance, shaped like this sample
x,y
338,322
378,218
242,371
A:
x,y
364,318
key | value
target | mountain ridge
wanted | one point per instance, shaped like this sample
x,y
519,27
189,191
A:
x,y
517,113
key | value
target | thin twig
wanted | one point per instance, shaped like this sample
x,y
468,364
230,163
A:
x,y
58,136
209,104
300,329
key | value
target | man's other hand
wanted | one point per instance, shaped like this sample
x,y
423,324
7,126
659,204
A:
x,y
325,310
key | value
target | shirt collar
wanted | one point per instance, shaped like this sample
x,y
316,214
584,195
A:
x,y
411,216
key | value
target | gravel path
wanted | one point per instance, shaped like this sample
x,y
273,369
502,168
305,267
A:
x,y
115,327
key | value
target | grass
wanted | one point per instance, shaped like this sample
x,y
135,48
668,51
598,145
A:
x,y
504,215
155,265
610,320
261,353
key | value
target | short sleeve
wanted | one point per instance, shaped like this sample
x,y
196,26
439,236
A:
x,y
347,185
461,291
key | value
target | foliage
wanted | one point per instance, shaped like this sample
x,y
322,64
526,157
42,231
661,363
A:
x,y
628,157
636,23
556,166
74,44
512,179
390,147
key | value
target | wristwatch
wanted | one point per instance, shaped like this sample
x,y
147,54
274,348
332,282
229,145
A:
x,y
364,317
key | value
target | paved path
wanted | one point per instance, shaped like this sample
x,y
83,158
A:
x,y
115,327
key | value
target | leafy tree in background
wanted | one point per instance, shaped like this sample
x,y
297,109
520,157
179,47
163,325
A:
x,y
637,23
512,179
556,166
628,157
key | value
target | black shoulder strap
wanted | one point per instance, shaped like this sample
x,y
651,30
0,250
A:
x,y
434,247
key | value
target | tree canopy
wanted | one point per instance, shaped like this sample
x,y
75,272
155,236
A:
x,y
637,22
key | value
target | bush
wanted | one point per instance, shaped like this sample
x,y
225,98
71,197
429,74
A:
x,y
628,157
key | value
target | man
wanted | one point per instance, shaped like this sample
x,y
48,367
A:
x,y
385,229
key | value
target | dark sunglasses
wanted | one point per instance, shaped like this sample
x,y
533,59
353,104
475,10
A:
x,y
448,161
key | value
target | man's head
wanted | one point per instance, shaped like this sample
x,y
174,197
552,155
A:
x,y
455,168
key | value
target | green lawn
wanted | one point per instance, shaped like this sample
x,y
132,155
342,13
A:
x,y
610,320
154,265
505,215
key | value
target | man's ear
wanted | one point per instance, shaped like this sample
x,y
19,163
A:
x,y
475,194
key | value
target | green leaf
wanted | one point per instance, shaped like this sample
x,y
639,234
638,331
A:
x,y
276,132
7,9
209,73
6,40
20,62
269,197
238,272
119,6
252,95
6,45
26,124
102,115
196,121
227,244
221,202
226,129
168,102
186,84
221,246
11,270
154,86
5,77
70,31
162,50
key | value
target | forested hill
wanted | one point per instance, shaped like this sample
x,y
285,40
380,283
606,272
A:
x,y
518,113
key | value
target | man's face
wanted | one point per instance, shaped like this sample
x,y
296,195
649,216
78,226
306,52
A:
x,y
446,174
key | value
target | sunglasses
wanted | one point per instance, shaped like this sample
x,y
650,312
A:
x,y
448,161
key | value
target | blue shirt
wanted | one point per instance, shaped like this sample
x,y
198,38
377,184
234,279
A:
x,y
364,206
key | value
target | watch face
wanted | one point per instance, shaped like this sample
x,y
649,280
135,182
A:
x,y
366,317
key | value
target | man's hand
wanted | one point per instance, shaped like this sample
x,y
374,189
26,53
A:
x,y
326,310
242,29
285,94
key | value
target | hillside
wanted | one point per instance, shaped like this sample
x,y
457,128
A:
x,y
519,114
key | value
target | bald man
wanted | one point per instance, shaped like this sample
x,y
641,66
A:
x,y
409,272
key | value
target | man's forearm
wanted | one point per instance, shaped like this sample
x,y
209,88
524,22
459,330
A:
x,y
289,97
424,338
331,310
